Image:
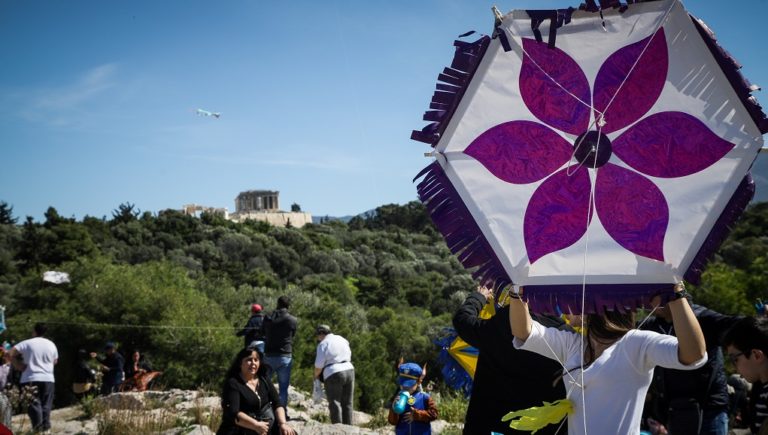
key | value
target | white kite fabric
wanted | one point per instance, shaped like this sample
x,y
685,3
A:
x,y
55,277
600,152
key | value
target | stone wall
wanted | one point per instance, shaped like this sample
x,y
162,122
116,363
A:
x,y
277,219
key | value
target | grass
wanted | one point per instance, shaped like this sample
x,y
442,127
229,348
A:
x,y
120,422
452,407
378,420
204,415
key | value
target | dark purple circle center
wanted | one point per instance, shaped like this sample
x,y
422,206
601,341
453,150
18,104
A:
x,y
592,149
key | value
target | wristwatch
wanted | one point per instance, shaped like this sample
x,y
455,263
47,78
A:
x,y
681,295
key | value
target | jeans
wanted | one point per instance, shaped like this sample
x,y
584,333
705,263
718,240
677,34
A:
x,y
282,365
339,389
256,344
40,408
714,422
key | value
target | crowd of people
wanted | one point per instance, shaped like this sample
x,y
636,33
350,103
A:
x,y
609,373
249,399
602,373
28,367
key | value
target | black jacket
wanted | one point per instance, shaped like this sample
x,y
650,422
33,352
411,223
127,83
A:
x,y
253,330
707,384
281,327
506,379
237,397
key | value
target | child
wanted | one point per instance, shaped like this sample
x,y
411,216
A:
x,y
412,409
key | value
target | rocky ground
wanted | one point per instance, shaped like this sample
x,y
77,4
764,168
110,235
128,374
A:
x,y
191,412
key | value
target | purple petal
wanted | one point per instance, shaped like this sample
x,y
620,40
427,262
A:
x,y
640,89
670,145
520,152
633,210
544,98
556,217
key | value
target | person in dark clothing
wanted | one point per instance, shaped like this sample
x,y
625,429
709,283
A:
x,y
137,366
113,369
85,376
278,347
506,379
253,331
695,401
249,401
746,344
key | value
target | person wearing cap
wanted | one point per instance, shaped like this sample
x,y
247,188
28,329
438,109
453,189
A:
x,y
333,365
412,417
113,367
253,331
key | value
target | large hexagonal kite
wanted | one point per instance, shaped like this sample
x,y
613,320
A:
x,y
596,154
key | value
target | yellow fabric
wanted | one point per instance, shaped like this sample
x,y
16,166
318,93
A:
x,y
489,309
578,329
537,417
467,361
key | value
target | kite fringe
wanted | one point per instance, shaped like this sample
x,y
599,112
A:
x,y
730,67
454,374
598,298
454,81
459,229
723,226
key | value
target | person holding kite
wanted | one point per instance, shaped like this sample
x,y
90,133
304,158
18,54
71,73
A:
x,y
607,371
527,384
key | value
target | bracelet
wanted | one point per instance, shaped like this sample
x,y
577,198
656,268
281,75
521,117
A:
x,y
681,295
515,295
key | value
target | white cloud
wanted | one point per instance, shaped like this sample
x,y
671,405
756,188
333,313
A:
x,y
62,105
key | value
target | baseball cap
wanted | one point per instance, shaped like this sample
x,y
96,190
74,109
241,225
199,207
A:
x,y
255,308
408,374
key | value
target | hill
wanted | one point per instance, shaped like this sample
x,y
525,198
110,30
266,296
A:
x,y
178,287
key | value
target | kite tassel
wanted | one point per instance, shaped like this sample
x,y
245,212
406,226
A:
x,y
460,231
454,81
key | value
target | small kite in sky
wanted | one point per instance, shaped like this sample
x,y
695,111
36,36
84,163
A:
x,y
202,112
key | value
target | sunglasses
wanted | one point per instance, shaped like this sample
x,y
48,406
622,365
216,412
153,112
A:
x,y
733,357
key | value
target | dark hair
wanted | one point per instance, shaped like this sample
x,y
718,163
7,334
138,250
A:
x,y
747,334
40,329
234,368
606,328
283,302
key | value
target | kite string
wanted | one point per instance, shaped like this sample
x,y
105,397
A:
x,y
137,326
555,81
647,44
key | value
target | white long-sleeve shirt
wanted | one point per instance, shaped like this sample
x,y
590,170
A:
x,y
615,384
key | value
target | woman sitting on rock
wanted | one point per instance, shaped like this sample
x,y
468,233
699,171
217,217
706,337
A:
x,y
249,402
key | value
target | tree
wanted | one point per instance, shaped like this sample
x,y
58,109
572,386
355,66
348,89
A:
x,y
125,213
6,214
295,207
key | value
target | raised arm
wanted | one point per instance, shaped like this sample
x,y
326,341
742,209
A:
x,y
519,317
467,322
691,344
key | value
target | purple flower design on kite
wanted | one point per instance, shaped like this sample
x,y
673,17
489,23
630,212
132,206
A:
x,y
630,207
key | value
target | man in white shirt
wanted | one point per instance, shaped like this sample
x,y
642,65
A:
x,y
39,355
333,365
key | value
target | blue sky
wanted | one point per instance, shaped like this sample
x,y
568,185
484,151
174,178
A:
x,y
318,98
